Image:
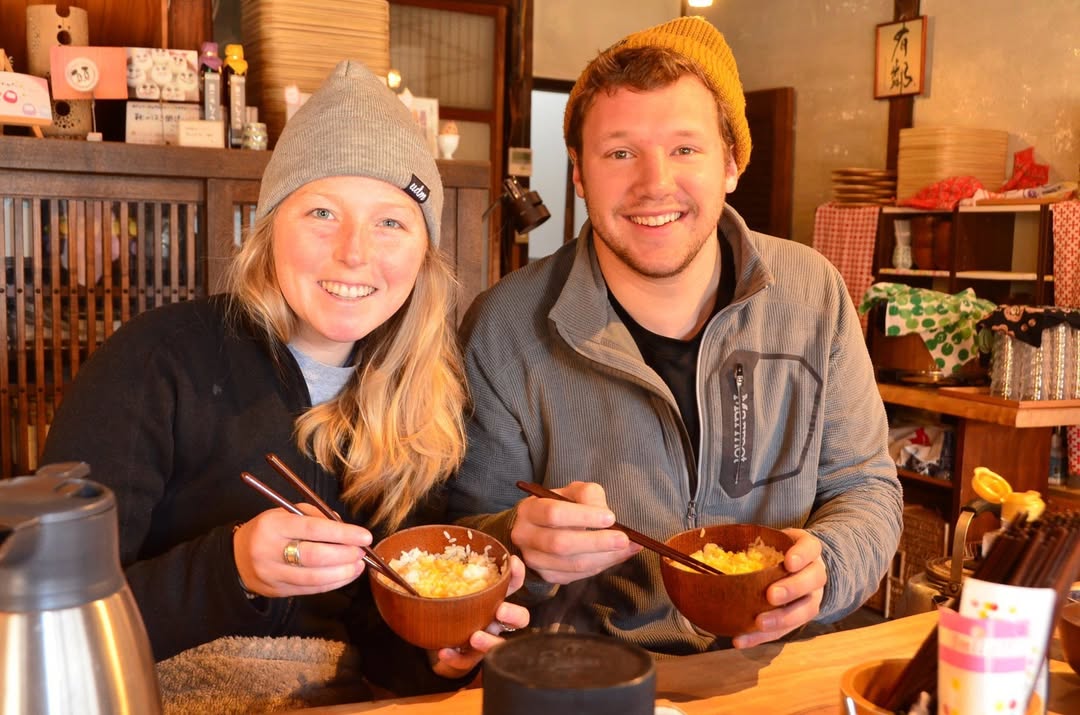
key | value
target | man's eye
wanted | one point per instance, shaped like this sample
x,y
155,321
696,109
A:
x,y
620,154
391,223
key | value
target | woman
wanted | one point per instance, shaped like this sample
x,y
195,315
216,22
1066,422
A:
x,y
332,349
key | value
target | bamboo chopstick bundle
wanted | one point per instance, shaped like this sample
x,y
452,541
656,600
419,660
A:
x,y
1041,554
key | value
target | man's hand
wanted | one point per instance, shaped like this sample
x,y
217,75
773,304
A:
x,y
565,542
797,596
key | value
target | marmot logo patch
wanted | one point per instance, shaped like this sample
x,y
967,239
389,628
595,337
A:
x,y
418,189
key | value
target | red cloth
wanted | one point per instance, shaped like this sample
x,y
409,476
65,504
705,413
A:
x,y
944,194
1026,173
1067,288
845,235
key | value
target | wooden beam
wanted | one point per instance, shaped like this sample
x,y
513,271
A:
x,y
901,109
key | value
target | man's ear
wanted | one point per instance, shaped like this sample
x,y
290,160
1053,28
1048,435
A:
x,y
732,175
579,187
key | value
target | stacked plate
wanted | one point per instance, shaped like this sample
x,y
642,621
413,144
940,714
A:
x,y
864,187
290,43
929,154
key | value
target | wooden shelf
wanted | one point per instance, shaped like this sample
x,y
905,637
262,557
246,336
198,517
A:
x,y
977,404
923,479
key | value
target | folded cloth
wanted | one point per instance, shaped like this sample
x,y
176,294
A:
x,y
1067,289
945,322
944,194
258,675
1026,172
845,235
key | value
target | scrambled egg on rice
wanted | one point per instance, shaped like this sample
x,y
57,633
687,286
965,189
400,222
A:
x,y
756,557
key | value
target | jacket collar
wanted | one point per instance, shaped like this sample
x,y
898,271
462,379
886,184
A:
x,y
585,318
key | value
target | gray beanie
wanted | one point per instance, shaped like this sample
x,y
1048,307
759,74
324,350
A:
x,y
353,125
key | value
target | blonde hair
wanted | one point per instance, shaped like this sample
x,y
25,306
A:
x,y
396,429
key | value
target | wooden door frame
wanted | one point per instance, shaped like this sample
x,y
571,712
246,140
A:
x,y
512,78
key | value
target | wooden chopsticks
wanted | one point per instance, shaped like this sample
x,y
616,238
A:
x,y
370,557
636,536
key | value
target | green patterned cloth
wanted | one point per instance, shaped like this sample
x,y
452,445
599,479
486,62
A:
x,y
945,322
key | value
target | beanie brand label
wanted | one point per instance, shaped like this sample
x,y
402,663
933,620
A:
x,y
418,189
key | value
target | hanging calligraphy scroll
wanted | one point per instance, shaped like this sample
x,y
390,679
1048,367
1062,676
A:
x,y
899,57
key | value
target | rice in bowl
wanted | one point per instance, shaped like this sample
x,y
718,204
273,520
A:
x,y
756,557
457,571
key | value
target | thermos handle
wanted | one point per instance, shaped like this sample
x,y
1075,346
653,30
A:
x,y
968,513
64,470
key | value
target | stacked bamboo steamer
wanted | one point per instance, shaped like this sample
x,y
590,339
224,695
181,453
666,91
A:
x,y
929,154
864,187
299,43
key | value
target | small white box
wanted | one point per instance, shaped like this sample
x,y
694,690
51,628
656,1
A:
x,y
155,122
200,132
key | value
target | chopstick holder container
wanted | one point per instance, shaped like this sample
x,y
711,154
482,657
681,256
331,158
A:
x,y
992,653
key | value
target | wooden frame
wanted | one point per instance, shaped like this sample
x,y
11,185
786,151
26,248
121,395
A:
x,y
899,58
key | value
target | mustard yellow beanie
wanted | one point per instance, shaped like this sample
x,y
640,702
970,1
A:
x,y
696,39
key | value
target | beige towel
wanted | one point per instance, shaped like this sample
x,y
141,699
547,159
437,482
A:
x,y
260,675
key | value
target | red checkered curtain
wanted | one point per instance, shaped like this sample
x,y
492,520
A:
x,y
1067,287
845,235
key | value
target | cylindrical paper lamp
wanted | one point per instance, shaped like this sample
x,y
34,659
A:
x,y
46,28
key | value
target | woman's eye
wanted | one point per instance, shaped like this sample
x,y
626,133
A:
x,y
322,213
685,151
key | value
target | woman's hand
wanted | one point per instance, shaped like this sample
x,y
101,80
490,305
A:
x,y
456,662
326,553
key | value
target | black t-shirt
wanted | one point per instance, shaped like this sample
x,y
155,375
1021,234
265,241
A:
x,y
675,361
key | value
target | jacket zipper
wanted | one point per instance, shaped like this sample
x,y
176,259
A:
x,y
738,406
691,513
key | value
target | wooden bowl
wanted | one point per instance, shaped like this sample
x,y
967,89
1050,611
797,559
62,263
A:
x,y
722,605
438,622
1069,631
867,680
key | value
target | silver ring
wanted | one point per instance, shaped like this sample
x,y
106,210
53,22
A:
x,y
506,628
291,554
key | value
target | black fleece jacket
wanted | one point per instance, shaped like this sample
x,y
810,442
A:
x,y
167,413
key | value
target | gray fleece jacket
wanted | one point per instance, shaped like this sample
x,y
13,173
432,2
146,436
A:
x,y
793,431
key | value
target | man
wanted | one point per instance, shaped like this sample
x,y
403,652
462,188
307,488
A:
x,y
673,369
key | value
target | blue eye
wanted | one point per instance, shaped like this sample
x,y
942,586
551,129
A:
x,y
391,223
322,213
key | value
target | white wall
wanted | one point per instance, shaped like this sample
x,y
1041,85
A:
x,y
994,64
569,33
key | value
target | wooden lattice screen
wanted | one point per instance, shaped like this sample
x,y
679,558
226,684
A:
x,y
93,234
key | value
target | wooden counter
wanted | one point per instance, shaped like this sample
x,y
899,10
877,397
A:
x,y
800,678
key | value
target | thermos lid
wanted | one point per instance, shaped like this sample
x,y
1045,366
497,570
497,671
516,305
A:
x,y
59,545
568,674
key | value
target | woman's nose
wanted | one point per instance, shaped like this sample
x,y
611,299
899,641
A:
x,y
355,245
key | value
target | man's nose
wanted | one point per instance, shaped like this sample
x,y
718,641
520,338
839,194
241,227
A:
x,y
657,172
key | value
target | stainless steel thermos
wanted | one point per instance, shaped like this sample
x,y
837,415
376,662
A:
x,y
71,637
